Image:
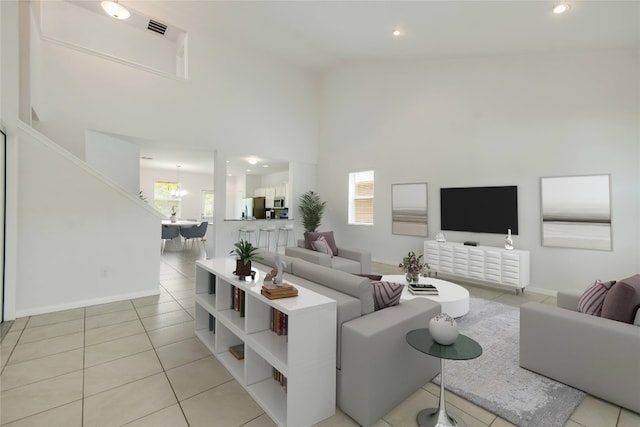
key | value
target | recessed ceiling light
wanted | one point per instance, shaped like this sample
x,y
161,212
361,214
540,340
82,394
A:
x,y
561,8
265,166
252,160
396,32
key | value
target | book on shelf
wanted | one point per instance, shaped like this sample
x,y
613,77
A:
x,y
277,376
238,300
212,284
279,322
237,351
212,323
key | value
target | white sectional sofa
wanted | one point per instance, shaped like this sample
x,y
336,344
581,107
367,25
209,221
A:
x,y
348,260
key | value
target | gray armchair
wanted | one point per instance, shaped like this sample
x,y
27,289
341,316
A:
x,y
591,353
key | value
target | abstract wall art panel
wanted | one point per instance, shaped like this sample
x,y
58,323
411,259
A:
x,y
409,209
576,212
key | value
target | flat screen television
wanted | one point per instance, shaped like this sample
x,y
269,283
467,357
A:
x,y
480,209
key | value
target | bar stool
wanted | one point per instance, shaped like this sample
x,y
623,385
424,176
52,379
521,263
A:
x,y
268,229
288,228
246,233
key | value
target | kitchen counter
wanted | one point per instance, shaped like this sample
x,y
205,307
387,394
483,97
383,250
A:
x,y
253,220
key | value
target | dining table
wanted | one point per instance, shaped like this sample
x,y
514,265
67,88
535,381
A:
x,y
180,223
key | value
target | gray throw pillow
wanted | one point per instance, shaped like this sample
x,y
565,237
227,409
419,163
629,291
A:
x,y
621,301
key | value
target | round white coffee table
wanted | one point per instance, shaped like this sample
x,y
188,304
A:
x,y
453,298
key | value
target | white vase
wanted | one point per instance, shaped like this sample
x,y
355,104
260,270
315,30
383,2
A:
x,y
443,329
508,241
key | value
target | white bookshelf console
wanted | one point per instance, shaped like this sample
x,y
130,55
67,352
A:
x,y
482,263
306,355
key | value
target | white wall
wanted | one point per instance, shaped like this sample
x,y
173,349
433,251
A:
x,y
9,100
70,23
82,240
275,179
488,121
115,158
236,99
193,182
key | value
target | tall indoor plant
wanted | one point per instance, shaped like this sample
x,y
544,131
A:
x,y
311,209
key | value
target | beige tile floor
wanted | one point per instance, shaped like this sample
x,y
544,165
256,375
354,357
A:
x,y
138,363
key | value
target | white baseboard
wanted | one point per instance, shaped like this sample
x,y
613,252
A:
x,y
85,303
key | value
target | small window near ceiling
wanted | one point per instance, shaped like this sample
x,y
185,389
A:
x,y
166,198
361,198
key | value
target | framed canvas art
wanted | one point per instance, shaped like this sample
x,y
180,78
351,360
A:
x,y
409,209
576,212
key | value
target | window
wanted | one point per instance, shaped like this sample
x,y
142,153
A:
x,y
206,201
165,197
361,197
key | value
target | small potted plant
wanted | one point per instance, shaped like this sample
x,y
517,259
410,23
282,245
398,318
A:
x,y
173,214
245,252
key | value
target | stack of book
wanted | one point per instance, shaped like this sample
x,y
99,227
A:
x,y
275,292
422,289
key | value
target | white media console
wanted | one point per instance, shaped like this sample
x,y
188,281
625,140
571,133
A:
x,y
483,263
305,355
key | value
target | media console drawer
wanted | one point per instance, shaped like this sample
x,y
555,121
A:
x,y
484,263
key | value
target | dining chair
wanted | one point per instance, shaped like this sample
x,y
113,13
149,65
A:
x,y
195,232
168,233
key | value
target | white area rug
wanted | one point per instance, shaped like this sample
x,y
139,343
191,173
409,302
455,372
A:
x,y
496,382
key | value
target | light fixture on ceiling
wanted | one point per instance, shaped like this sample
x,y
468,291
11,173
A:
x,y
178,192
252,160
561,8
115,9
396,32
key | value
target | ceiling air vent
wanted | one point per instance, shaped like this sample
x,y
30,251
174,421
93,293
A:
x,y
157,27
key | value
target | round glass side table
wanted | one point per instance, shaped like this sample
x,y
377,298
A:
x,y
464,348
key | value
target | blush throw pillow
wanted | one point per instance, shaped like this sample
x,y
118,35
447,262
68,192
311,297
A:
x,y
386,294
322,246
592,299
312,236
621,301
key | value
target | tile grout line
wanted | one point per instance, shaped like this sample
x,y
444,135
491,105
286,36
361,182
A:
x,y
164,371
14,347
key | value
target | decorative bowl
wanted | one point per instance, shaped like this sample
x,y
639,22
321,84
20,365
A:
x,y
443,329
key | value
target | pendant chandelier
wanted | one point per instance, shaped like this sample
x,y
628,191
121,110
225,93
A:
x,y
178,192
